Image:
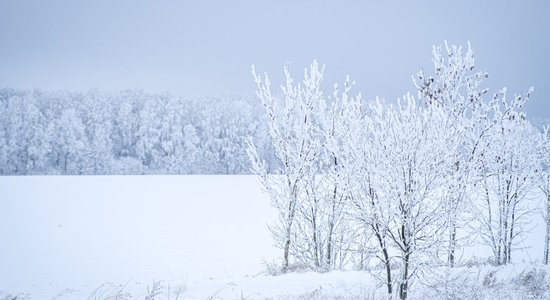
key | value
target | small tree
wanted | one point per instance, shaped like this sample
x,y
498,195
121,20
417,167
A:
x,y
362,163
324,232
296,142
415,145
455,87
507,163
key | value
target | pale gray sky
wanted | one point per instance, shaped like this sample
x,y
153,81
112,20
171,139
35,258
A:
x,y
196,48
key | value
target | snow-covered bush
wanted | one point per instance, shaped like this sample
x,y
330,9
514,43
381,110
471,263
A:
x,y
533,283
522,281
110,291
450,283
10,296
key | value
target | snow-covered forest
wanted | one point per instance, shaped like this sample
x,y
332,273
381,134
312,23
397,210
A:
x,y
126,133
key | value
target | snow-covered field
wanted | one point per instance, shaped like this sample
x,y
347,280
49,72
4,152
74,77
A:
x,y
68,236
80,232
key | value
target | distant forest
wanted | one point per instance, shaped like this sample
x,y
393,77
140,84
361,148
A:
x,y
127,132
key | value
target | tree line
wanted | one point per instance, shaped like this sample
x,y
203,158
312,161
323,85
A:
x,y
400,188
126,133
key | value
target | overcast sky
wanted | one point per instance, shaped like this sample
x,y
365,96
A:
x,y
196,48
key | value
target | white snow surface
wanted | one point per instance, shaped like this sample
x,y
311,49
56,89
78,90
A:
x,y
68,235
79,232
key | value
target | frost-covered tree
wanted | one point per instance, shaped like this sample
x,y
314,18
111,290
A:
x,y
508,163
23,135
148,145
362,164
191,148
481,124
337,123
415,146
455,87
125,124
98,127
296,143
67,143
323,234
172,138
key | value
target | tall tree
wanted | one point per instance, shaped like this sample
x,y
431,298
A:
x,y
415,146
67,142
296,143
507,162
456,87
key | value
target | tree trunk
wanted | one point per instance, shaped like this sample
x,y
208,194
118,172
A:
x,y
386,258
513,221
403,288
547,237
315,234
546,242
388,271
65,165
504,255
452,244
330,253
331,223
285,254
290,220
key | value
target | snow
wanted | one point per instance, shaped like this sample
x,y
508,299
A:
x,y
207,234
72,231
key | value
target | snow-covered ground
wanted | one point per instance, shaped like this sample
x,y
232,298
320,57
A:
x,y
70,235
79,232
